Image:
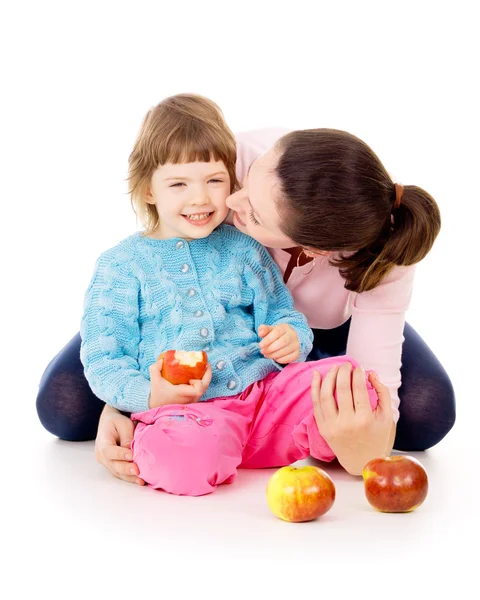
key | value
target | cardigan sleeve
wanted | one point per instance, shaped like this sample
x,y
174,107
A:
x,y
110,337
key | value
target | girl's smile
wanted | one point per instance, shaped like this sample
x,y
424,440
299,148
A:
x,y
199,219
190,198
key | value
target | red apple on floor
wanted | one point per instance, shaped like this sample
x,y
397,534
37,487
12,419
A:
x,y
300,494
395,483
180,366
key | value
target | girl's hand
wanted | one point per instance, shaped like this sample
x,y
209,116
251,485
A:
x,y
354,431
280,343
112,446
163,392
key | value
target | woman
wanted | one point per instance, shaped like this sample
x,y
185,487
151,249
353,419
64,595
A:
x,y
346,238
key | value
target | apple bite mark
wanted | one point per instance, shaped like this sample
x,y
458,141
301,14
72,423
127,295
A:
x,y
181,366
188,358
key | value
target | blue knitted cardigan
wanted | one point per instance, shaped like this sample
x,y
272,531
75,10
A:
x,y
148,295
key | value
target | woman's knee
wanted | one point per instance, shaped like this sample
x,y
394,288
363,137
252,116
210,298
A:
x,y
427,397
427,413
66,406
67,409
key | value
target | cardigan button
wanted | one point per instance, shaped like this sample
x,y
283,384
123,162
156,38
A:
x,y
231,384
184,268
191,292
204,332
198,313
179,245
220,365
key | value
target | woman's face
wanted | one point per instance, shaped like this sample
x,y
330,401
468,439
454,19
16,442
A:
x,y
255,205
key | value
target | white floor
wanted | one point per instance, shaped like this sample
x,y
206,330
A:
x,y
68,528
71,526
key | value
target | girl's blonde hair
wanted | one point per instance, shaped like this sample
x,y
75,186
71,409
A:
x,y
181,129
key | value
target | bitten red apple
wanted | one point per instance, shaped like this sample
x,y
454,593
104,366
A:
x,y
180,366
300,494
395,483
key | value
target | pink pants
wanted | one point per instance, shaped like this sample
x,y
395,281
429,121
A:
x,y
190,449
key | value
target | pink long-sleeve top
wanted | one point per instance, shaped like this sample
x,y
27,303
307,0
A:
x,y
377,317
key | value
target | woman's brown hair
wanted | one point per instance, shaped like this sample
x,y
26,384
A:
x,y
181,129
336,195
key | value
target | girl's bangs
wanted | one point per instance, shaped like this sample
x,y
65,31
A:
x,y
185,147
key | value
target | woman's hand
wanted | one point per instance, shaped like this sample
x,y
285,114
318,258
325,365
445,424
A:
x,y
280,343
163,392
354,431
112,446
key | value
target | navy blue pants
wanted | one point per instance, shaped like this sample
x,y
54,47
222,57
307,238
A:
x,y
69,409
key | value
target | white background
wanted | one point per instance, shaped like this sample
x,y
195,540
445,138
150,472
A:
x,y
77,78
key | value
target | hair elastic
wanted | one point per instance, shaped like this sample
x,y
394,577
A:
x,y
398,195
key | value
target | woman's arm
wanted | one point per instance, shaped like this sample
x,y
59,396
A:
x,y
375,337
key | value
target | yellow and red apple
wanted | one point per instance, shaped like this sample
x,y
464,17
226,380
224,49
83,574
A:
x,y
298,494
395,483
180,366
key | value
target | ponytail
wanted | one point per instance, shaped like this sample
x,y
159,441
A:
x,y
336,196
405,240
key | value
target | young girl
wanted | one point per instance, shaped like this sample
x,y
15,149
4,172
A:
x,y
189,282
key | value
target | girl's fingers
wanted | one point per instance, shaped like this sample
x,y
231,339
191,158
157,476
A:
x,y
279,344
344,389
269,339
207,378
156,369
361,400
201,385
289,358
263,330
284,352
187,390
198,386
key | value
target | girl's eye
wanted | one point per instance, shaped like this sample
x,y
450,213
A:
x,y
177,184
252,218
216,180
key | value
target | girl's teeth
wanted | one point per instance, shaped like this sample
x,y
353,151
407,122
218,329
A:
x,y
199,217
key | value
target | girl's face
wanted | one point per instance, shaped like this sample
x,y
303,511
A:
x,y
190,199
255,205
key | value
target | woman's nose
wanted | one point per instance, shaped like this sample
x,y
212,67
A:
x,y
233,201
